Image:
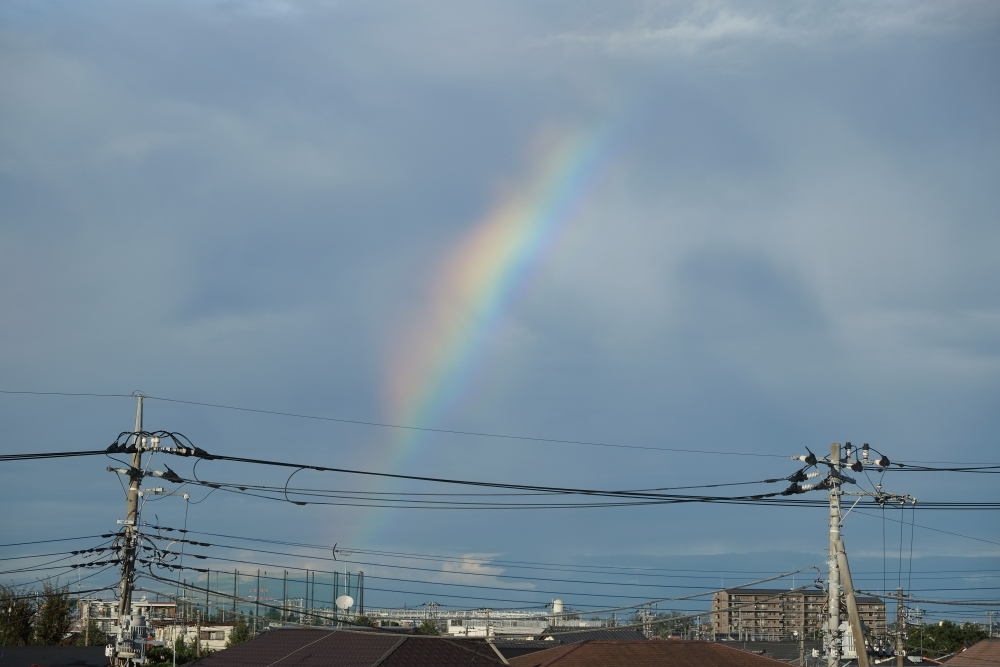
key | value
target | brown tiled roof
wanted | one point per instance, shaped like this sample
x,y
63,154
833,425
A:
x,y
983,654
668,653
53,656
573,635
346,648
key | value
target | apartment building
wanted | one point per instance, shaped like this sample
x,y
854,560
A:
x,y
775,614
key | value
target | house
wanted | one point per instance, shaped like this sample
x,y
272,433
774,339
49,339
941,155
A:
x,y
665,653
572,635
984,654
319,647
511,647
211,635
52,656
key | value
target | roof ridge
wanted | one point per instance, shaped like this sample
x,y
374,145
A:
x,y
569,649
391,650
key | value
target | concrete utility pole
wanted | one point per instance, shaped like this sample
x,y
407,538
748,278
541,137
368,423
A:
x,y
832,635
838,557
852,606
900,629
129,645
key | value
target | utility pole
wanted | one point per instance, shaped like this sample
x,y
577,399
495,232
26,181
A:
x,y
839,576
130,642
833,584
852,606
900,647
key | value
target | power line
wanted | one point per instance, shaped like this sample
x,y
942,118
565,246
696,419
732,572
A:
x,y
61,539
438,571
479,434
936,530
50,455
66,393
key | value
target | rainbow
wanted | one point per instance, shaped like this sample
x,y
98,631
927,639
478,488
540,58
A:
x,y
479,283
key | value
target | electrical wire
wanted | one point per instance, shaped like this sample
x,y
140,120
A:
x,y
936,530
438,571
479,434
60,539
49,455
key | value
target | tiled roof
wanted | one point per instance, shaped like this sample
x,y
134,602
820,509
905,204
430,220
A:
x,y
346,648
667,653
983,654
53,656
573,635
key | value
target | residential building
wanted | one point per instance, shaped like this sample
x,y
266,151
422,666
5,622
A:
x,y
105,612
211,636
775,614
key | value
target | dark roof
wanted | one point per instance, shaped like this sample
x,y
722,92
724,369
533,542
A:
x,y
666,653
347,648
511,647
983,654
786,651
572,635
53,656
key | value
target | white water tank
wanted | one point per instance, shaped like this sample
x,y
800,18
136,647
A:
x,y
557,607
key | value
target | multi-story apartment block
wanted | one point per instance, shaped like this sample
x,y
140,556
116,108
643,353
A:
x,y
775,614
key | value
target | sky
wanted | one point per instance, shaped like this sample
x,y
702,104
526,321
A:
x,y
747,228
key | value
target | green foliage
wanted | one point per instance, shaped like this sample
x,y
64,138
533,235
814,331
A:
x,y
161,656
365,621
942,639
272,615
241,633
428,627
92,635
17,616
53,615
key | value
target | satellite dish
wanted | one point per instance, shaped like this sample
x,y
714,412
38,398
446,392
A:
x,y
345,602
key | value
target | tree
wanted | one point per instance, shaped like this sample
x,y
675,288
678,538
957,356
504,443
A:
x,y
92,635
53,620
241,633
944,638
161,656
428,627
17,616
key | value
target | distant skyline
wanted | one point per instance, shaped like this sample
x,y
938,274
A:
x,y
678,226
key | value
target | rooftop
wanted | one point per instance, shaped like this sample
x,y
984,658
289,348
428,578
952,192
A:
x,y
983,654
667,653
349,648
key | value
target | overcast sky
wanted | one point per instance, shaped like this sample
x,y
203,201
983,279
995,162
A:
x,y
745,227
